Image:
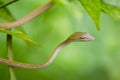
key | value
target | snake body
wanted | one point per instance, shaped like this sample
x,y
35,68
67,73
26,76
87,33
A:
x,y
78,36
26,18
75,37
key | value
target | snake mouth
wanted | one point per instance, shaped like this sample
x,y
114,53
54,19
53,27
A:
x,y
89,38
86,37
81,37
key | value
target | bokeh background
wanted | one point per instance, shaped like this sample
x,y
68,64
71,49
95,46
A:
x,y
96,60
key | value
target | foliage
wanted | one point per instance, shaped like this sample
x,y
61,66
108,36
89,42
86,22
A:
x,y
93,7
111,10
98,60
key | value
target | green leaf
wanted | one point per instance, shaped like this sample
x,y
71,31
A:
x,y
69,5
93,8
19,34
111,10
61,2
6,3
5,14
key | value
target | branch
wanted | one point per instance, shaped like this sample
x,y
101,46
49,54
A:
x,y
10,56
8,3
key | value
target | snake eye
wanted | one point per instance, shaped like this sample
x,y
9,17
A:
x,y
82,37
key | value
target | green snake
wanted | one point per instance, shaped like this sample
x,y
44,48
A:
x,y
27,18
75,37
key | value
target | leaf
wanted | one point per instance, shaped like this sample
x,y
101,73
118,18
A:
x,y
93,8
2,5
19,34
5,14
61,2
68,5
111,10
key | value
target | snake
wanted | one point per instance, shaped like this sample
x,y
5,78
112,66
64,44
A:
x,y
75,37
26,18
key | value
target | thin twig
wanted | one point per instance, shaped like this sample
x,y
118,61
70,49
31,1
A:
x,y
8,3
10,56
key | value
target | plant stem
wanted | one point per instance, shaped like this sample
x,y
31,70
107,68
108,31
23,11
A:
x,y
8,3
10,56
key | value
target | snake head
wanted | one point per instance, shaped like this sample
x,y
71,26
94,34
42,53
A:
x,y
81,36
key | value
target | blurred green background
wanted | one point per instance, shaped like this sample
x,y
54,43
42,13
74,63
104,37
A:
x,y
96,60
